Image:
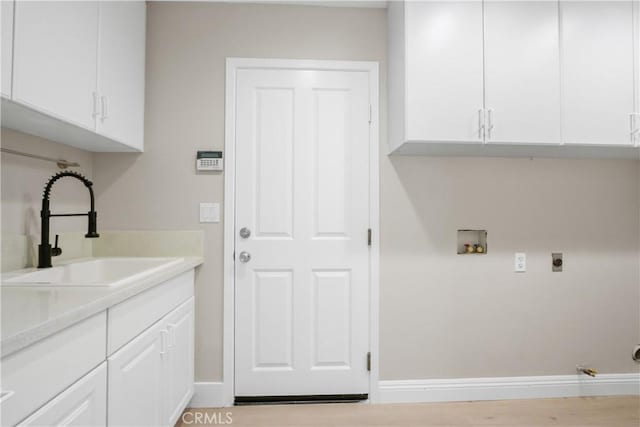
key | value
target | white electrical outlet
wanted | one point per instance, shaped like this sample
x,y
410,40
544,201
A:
x,y
520,262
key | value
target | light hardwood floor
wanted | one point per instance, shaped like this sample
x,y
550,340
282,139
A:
x,y
574,412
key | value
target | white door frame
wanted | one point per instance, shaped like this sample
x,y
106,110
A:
x,y
233,65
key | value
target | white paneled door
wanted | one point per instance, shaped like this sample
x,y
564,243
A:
x,y
302,219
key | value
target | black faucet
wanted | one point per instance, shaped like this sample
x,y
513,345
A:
x,y
45,251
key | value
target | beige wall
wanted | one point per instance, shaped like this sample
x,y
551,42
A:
x,y
445,315
187,44
23,180
442,315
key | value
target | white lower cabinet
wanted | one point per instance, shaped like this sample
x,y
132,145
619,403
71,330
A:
x,y
179,360
135,380
42,371
151,377
82,404
74,378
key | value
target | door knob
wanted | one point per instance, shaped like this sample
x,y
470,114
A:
x,y
244,256
245,232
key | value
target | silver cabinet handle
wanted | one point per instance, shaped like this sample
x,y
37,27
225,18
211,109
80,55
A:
x,y
245,232
481,123
163,341
105,106
633,129
95,105
244,256
172,335
490,122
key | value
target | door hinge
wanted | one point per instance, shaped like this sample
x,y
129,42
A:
x,y
369,361
370,113
369,237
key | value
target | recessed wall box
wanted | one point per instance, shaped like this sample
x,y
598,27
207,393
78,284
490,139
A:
x,y
209,161
472,242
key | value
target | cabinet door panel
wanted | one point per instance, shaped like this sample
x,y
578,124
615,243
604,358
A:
x,y
136,381
522,72
82,404
180,359
36,374
55,49
121,51
444,70
597,71
635,119
7,46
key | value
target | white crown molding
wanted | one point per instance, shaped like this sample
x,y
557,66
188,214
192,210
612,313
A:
x,y
375,4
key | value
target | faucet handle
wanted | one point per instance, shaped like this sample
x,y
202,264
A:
x,y
56,251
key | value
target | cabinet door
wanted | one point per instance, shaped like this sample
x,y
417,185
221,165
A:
x,y
7,46
82,404
180,360
597,71
121,64
636,73
55,58
136,381
444,71
522,72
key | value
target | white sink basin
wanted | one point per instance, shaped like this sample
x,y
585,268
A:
x,y
106,272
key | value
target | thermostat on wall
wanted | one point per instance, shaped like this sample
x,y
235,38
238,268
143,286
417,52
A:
x,y
209,161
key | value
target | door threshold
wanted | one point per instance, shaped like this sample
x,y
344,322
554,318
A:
x,y
289,400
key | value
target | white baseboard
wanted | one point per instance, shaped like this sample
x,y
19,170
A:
x,y
211,394
461,389
208,395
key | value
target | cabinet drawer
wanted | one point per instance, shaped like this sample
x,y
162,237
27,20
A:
x,y
82,404
129,318
33,376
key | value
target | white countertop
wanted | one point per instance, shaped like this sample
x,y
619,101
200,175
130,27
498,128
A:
x,y
31,313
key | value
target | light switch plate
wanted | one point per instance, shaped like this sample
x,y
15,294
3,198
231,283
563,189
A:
x,y
520,261
209,212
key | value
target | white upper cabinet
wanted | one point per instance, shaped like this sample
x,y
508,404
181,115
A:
x,y
54,68
522,72
597,72
121,65
443,60
515,78
636,73
78,72
6,13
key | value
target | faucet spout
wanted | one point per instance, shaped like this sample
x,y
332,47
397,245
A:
x,y
45,251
